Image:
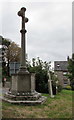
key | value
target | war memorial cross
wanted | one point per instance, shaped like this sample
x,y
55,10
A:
x,y
21,13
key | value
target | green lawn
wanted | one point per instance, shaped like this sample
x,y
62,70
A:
x,y
58,107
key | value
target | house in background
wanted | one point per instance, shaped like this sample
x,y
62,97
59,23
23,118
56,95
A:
x,y
60,69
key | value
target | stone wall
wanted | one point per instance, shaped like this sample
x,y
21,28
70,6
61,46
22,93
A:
x,y
62,78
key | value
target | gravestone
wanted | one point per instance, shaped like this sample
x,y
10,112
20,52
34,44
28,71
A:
x,y
50,86
23,82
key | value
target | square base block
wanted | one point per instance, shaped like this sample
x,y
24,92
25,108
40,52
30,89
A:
x,y
21,83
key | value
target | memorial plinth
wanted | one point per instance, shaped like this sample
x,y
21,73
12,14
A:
x,y
23,83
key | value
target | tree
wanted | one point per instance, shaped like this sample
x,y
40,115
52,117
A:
x,y
10,53
71,70
41,74
55,83
5,44
13,53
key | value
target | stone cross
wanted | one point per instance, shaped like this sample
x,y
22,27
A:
x,y
50,86
23,83
21,13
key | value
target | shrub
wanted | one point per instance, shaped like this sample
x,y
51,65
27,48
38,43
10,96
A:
x,y
41,82
59,88
68,87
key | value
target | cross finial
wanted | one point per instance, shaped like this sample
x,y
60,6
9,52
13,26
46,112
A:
x,y
22,12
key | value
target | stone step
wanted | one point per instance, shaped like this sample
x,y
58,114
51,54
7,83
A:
x,y
41,100
16,98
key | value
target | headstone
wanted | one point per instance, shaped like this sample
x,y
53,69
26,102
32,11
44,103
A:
x,y
23,82
50,86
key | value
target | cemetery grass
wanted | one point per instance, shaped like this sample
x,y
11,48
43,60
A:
x,y
58,107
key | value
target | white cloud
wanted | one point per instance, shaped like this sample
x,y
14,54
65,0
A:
x,y
48,30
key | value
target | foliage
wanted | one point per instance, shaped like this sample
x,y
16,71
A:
x,y
55,83
40,69
59,88
10,53
71,71
68,87
13,53
5,44
0,73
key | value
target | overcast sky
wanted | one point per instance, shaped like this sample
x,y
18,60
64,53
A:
x,y
49,30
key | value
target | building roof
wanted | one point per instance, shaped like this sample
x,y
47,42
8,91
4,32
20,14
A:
x,y
60,65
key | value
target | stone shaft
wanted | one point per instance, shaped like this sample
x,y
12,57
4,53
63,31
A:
x,y
23,40
23,44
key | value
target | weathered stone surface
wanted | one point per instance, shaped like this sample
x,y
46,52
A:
x,y
31,97
41,100
32,82
23,90
23,83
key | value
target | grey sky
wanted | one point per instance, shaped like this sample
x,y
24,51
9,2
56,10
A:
x,y
49,30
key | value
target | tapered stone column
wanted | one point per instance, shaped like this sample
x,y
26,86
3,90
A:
x,y
21,13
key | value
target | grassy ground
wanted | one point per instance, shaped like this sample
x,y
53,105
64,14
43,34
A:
x,y
58,107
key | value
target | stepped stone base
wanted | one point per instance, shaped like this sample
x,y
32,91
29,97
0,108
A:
x,y
22,90
33,98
